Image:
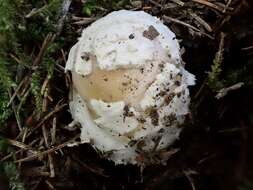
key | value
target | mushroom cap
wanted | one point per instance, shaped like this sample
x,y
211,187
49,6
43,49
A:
x,y
130,88
128,85
123,39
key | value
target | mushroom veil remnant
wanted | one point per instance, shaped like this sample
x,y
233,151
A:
x,y
130,89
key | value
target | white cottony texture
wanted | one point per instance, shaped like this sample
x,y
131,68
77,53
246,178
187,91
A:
x,y
109,38
130,90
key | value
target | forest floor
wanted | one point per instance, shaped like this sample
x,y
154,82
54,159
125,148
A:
x,y
215,147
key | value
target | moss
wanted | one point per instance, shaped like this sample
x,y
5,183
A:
x,y
92,7
11,172
5,112
35,87
214,81
23,27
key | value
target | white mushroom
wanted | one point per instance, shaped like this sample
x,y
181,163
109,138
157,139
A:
x,y
130,90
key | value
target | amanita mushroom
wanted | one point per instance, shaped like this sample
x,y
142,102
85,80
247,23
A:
x,y
130,90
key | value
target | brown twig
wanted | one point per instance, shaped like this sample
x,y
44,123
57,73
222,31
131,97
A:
x,y
155,3
25,88
167,19
49,39
201,21
57,109
83,20
209,4
61,68
53,132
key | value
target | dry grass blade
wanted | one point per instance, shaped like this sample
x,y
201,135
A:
x,y
17,90
15,113
44,86
188,176
51,166
45,135
180,3
53,132
247,48
49,151
170,153
20,145
50,185
227,5
50,158
17,152
64,12
219,55
223,92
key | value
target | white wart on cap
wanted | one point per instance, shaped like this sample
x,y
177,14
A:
x,y
130,90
